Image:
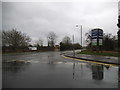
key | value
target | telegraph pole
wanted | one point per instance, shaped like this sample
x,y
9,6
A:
x,y
73,46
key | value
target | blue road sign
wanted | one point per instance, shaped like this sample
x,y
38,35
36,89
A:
x,y
97,36
94,33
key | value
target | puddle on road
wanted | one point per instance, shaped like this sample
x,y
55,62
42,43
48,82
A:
x,y
53,74
58,73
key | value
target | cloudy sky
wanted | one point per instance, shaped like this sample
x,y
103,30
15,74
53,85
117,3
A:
x,y
37,19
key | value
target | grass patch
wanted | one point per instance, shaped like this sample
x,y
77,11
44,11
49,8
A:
x,y
104,53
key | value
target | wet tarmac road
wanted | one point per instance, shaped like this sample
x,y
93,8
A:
x,y
50,70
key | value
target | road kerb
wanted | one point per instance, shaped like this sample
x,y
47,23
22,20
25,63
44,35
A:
x,y
92,61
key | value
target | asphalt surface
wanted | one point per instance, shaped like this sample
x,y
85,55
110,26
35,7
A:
x,y
51,70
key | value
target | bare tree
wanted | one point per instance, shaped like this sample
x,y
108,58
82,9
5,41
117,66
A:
x,y
88,37
66,44
66,40
51,39
40,42
15,38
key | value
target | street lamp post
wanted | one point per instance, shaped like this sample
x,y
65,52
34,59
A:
x,y
73,46
81,33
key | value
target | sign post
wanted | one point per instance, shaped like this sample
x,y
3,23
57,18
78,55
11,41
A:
x,y
97,39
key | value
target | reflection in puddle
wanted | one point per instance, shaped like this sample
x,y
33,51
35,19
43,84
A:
x,y
97,72
73,70
96,69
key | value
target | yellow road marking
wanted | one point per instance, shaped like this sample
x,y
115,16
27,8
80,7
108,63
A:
x,y
90,61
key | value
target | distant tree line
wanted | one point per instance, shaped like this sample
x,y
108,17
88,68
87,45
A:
x,y
13,40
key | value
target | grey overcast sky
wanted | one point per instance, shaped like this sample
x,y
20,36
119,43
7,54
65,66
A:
x,y
38,18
